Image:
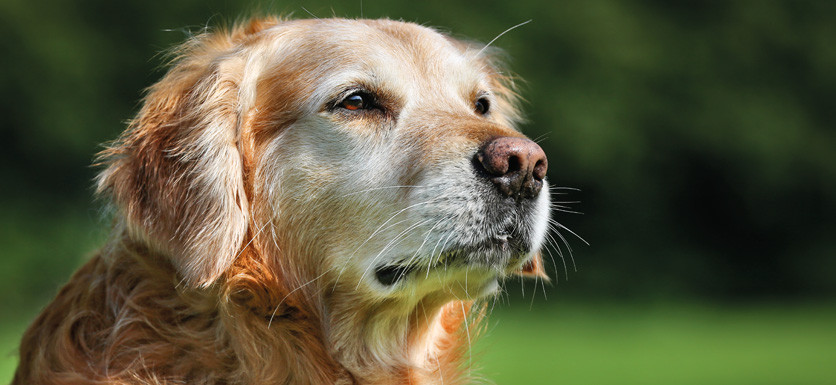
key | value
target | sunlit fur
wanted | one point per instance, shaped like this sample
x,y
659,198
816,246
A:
x,y
251,213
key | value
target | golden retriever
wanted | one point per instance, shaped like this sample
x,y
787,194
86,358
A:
x,y
303,202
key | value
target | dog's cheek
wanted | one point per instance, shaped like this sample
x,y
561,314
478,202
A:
x,y
323,181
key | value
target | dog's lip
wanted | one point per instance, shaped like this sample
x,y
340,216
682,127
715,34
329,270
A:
x,y
392,273
502,240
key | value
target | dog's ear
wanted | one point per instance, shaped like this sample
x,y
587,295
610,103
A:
x,y
176,174
534,268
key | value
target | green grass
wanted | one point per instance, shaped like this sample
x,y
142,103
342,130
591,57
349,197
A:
x,y
603,344
10,333
597,344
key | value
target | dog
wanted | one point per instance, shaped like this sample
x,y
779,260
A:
x,y
303,202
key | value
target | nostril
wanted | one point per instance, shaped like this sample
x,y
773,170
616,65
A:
x,y
514,164
540,169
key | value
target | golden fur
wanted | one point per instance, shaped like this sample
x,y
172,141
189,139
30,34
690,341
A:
x,y
245,200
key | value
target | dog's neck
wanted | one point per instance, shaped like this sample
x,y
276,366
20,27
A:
x,y
362,341
246,328
386,343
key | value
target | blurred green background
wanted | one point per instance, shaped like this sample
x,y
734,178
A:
x,y
701,136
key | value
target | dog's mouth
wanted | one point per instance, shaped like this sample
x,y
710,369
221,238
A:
x,y
496,253
392,274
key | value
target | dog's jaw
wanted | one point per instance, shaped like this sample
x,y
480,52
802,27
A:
x,y
456,261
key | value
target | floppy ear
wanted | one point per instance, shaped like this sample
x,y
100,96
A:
x,y
534,268
176,173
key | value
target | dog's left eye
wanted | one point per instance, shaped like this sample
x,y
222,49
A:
x,y
357,101
354,102
482,106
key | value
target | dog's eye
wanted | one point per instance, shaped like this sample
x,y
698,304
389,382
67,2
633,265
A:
x,y
482,106
356,101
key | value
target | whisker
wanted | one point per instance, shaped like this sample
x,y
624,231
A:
x,y
427,235
444,247
564,188
565,202
541,137
379,188
559,190
568,247
252,239
466,271
560,254
344,265
396,240
395,215
560,226
441,251
493,303
500,35
469,342
375,232
565,209
387,221
276,309
534,294
309,12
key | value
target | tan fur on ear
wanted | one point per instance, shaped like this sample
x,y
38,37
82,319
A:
x,y
176,173
534,268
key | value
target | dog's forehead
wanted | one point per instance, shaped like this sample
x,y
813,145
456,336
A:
x,y
406,55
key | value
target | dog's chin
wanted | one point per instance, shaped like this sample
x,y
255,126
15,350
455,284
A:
x,y
464,272
466,281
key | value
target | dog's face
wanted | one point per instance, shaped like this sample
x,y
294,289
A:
x,y
377,156
381,168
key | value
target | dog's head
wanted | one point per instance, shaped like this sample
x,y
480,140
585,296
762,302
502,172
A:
x,y
376,154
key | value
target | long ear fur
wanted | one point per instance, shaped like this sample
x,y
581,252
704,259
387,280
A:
x,y
176,173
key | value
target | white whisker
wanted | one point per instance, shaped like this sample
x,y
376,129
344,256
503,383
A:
x,y
427,235
252,239
566,243
396,240
309,12
560,226
348,260
534,293
500,35
378,230
562,188
469,342
388,220
379,188
554,263
276,309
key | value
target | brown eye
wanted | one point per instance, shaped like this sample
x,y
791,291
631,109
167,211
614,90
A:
x,y
355,102
482,106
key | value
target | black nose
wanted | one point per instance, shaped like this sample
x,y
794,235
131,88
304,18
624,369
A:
x,y
516,166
